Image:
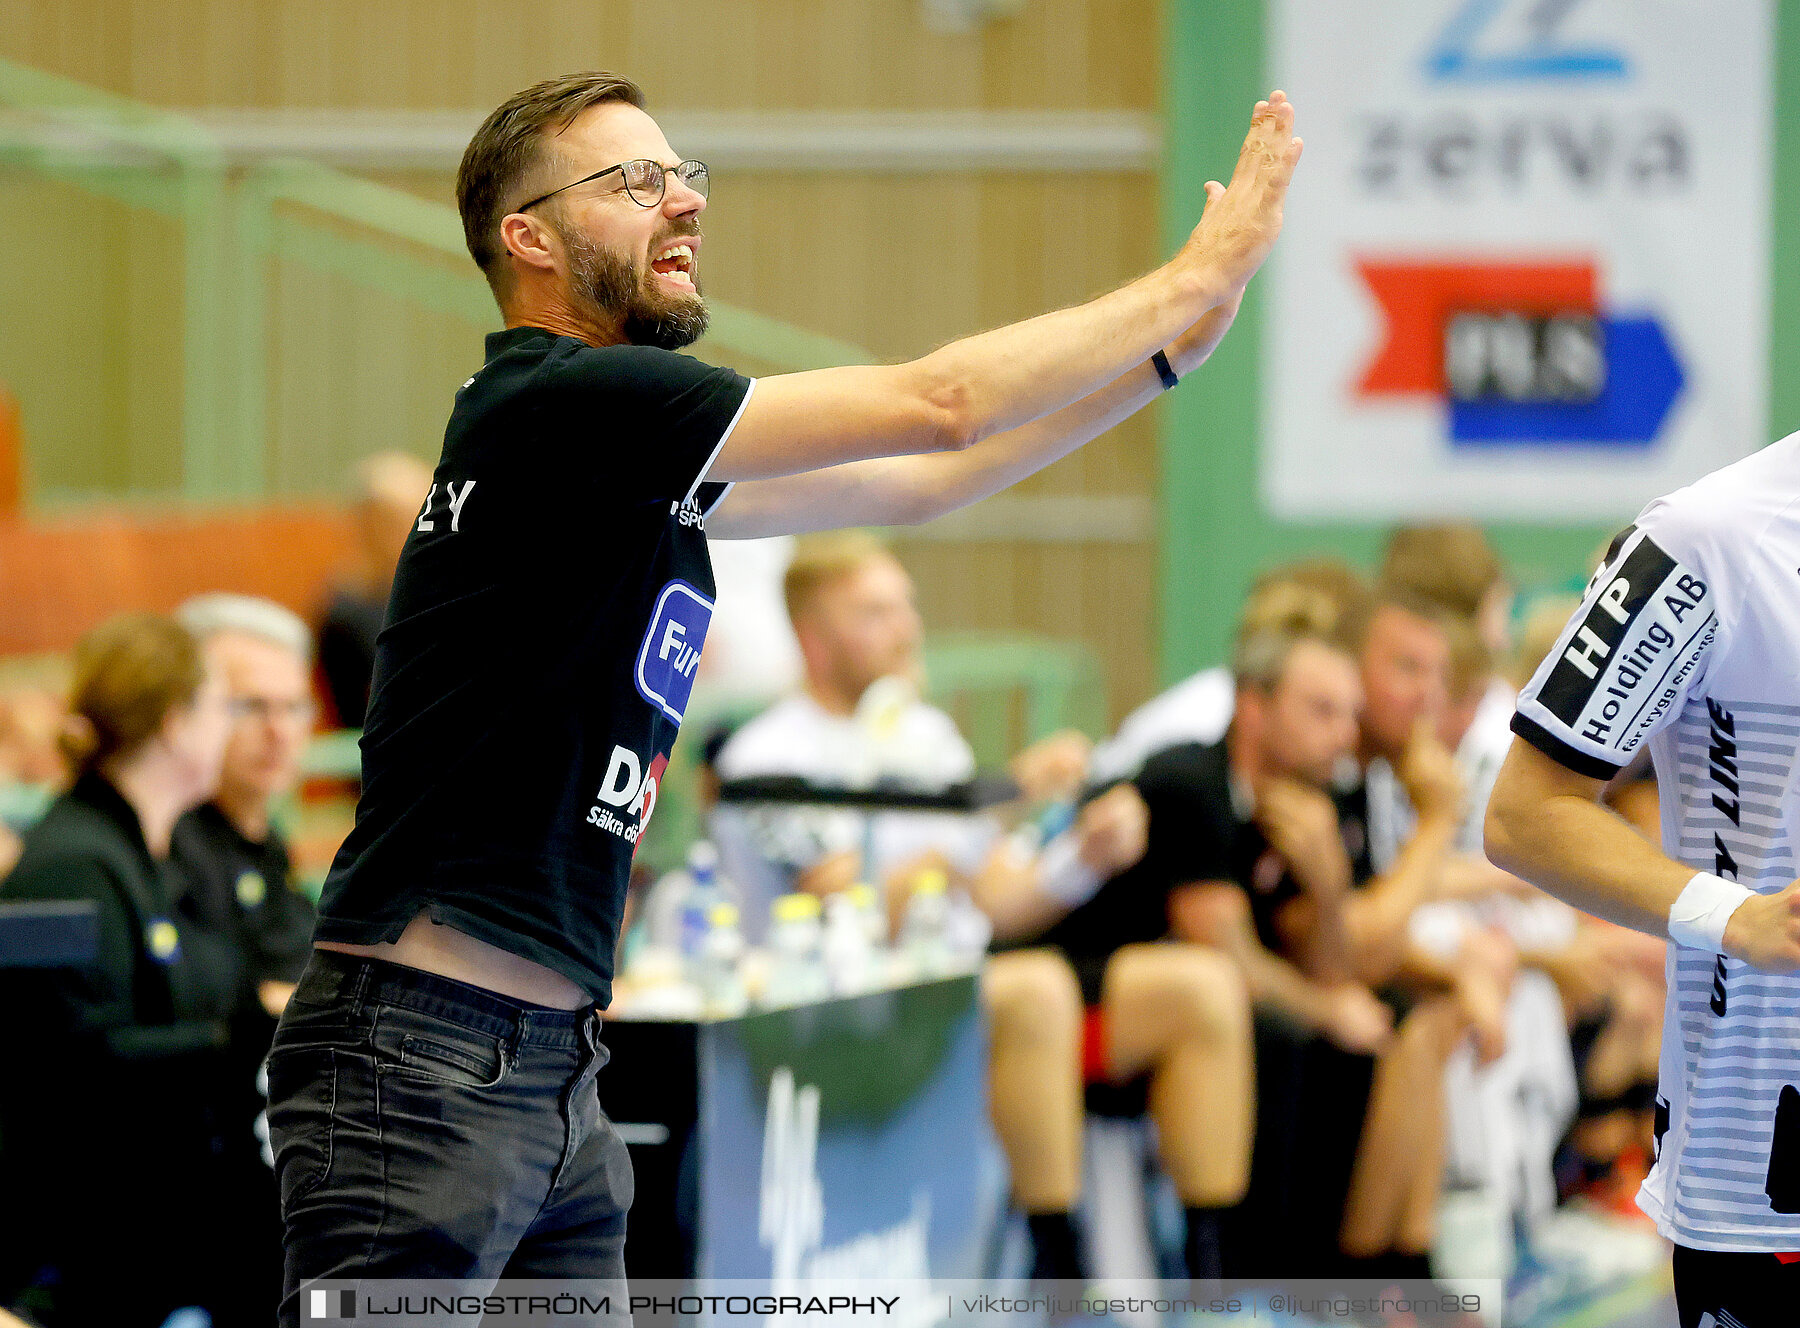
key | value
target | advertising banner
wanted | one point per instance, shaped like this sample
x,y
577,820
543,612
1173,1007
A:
x,y
1525,267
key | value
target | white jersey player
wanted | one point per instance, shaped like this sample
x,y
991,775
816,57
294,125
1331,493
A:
x,y
1688,641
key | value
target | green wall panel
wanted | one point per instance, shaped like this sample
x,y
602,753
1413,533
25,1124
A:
x,y
1216,534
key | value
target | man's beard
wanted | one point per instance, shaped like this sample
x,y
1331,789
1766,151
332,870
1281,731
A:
x,y
612,286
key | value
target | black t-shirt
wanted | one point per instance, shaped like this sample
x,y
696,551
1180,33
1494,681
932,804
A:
x,y
546,619
111,1118
347,635
243,891
1197,833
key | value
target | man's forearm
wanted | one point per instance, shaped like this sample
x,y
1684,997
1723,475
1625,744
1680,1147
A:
x,y
910,490
1274,981
1327,941
1581,852
945,481
1013,375
1376,917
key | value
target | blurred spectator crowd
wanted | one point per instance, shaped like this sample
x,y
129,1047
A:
x,y
1256,920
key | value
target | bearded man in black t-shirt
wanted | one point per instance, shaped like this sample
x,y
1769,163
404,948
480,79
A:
x,y
546,619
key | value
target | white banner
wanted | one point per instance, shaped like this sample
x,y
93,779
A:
x,y
1525,267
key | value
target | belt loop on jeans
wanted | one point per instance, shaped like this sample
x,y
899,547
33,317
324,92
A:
x,y
364,971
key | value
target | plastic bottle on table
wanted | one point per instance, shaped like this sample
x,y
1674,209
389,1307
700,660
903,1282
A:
x,y
715,969
796,968
867,900
924,935
849,958
696,898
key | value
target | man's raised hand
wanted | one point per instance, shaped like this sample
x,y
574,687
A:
x,y
1242,219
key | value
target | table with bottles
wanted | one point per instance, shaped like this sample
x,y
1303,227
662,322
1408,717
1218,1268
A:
x,y
811,1106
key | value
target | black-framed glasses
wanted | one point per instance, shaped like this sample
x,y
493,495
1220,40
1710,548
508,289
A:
x,y
644,179
262,709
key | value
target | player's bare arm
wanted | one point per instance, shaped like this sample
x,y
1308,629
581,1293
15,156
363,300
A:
x,y
911,490
1546,824
986,385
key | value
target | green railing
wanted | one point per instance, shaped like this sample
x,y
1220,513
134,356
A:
x,y
237,221
1006,689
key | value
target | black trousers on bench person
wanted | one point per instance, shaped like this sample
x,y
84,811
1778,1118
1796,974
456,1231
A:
x,y
1311,1098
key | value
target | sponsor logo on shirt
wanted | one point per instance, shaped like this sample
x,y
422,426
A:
x,y
671,651
627,795
1644,629
251,889
162,940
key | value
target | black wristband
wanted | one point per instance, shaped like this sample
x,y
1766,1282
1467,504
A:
x,y
1163,371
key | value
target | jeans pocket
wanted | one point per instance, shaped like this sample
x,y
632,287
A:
x,y
302,1109
418,1046
469,1067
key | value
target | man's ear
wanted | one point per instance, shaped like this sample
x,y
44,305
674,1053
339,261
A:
x,y
530,241
1252,702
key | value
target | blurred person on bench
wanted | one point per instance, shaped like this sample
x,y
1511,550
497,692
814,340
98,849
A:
x,y
1180,1017
110,1113
1199,707
238,886
31,764
239,872
388,489
1252,853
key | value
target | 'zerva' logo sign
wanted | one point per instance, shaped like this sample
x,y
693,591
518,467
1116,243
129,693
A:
x,y
671,651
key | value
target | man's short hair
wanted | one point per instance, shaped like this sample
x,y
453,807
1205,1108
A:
x,y
1471,661
1542,626
208,615
822,559
1321,593
1391,595
1451,564
1259,658
503,164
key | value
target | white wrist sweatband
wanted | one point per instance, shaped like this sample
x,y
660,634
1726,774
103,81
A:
x,y
1063,875
1698,916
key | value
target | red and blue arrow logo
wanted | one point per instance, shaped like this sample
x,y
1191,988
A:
x,y
1625,380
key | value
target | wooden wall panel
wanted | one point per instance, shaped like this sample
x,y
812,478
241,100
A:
x,y
58,578
1064,54
898,263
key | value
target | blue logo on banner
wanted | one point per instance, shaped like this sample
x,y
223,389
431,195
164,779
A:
x,y
671,650
1643,378
1540,56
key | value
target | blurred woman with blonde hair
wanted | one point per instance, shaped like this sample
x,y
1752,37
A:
x,y
110,1127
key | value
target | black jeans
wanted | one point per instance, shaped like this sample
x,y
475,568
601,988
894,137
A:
x,y
428,1129
1736,1290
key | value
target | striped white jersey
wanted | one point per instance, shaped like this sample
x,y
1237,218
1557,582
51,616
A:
x,y
1689,640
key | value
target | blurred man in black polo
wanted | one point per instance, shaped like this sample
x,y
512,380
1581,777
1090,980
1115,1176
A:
x,y
546,619
237,866
1250,852
237,889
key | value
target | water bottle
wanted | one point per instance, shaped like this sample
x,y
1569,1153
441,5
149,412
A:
x,y
868,908
849,958
924,935
716,970
796,968
702,893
